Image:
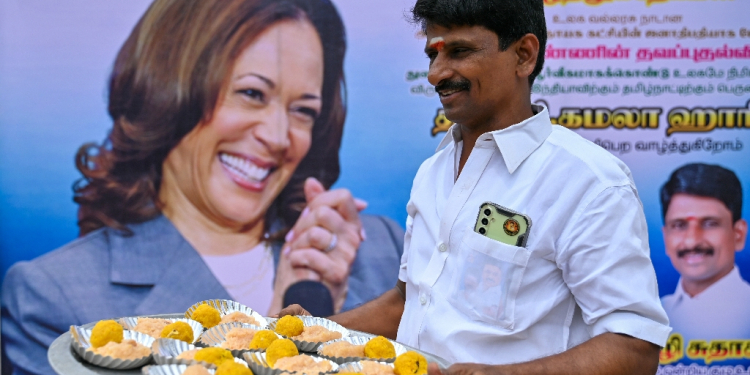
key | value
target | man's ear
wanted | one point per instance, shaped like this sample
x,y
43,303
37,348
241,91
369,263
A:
x,y
740,234
527,50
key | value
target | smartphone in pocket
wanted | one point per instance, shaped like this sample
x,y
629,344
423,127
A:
x,y
502,224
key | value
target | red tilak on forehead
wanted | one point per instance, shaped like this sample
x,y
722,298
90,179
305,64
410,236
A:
x,y
437,43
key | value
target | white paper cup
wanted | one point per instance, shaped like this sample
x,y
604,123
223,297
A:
x,y
80,344
360,340
259,365
169,370
218,335
131,322
226,307
308,321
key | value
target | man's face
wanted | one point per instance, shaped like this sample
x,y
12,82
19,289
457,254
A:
x,y
700,237
474,78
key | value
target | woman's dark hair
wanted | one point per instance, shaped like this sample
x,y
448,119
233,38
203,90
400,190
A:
x,y
704,180
167,79
509,19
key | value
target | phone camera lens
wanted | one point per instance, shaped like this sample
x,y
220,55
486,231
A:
x,y
482,231
487,212
485,221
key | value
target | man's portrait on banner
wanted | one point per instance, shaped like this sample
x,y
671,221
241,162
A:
x,y
703,230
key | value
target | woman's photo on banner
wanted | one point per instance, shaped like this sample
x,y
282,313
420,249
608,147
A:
x,y
213,182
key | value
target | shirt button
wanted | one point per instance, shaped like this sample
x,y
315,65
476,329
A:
x,y
422,300
443,247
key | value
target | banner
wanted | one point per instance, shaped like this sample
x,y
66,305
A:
x,y
660,84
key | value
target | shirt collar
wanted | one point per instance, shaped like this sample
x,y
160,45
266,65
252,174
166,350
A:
x,y
725,283
453,134
680,293
515,142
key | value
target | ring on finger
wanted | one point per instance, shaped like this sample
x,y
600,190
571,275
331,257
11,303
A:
x,y
332,245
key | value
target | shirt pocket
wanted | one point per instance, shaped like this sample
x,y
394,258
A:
x,y
487,278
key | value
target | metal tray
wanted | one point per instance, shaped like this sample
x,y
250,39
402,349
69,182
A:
x,y
65,362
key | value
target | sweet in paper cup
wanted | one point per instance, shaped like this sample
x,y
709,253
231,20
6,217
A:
x,y
360,340
357,366
80,344
216,336
259,365
131,322
227,307
165,352
169,370
309,321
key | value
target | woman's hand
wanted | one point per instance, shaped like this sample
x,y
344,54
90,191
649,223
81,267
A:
x,y
326,237
286,275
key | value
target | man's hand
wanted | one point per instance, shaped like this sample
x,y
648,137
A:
x,y
463,369
326,237
606,354
380,316
292,310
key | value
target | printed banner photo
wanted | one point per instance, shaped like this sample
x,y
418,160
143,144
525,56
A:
x,y
663,85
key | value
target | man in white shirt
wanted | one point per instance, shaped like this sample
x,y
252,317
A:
x,y
703,229
580,296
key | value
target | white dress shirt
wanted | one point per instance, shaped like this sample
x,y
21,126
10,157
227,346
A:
x,y
585,269
721,312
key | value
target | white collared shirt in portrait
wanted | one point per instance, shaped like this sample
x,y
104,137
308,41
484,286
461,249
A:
x,y
585,269
718,313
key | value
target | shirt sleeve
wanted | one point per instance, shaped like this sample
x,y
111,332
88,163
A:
x,y
34,313
606,264
411,210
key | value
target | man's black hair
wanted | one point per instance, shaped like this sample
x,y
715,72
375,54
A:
x,y
509,19
704,180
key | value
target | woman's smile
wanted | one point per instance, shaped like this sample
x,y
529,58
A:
x,y
247,172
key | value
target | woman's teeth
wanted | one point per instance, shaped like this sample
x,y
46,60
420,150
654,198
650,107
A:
x,y
244,167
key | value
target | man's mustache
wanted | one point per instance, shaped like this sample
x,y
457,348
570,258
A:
x,y
696,250
456,84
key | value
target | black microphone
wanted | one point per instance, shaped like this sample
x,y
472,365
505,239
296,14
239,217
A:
x,y
313,296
